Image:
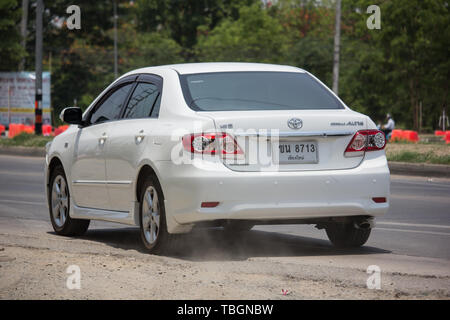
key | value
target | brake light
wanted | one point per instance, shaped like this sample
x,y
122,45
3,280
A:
x,y
211,143
365,140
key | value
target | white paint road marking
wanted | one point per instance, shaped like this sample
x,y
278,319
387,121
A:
x,y
421,198
414,231
419,225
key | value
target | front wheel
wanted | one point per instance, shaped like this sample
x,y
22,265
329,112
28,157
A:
x,y
346,235
59,206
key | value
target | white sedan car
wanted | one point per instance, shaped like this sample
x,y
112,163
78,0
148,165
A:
x,y
217,144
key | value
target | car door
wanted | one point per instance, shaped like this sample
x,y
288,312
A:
x,y
89,167
129,138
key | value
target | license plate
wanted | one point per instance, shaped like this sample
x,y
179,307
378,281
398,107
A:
x,y
297,152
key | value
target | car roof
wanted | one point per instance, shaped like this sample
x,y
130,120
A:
x,y
205,67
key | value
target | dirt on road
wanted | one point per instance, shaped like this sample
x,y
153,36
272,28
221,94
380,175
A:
x,y
258,265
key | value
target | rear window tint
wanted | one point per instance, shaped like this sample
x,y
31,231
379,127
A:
x,y
241,91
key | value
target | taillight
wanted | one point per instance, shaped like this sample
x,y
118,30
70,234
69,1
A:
x,y
365,140
211,143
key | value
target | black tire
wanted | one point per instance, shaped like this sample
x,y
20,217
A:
x,y
70,226
346,235
233,227
165,242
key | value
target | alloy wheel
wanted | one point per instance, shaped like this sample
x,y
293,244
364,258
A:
x,y
151,215
60,201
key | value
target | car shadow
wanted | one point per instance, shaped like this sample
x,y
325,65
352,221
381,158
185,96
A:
x,y
216,245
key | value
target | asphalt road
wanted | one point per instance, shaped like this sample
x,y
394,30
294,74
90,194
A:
x,y
418,222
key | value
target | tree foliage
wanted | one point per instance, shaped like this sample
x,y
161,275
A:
x,y
182,18
254,37
11,52
405,63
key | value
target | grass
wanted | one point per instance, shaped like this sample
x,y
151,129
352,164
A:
x,y
430,150
409,156
26,140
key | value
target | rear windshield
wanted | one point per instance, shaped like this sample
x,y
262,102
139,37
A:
x,y
241,91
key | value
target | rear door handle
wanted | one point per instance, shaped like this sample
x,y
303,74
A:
x,y
139,137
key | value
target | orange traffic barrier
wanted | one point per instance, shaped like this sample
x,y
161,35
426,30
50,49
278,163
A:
x,y
396,135
15,129
47,130
447,136
61,129
415,136
28,129
404,135
11,130
411,136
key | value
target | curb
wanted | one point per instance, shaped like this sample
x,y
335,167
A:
x,y
23,151
420,169
402,168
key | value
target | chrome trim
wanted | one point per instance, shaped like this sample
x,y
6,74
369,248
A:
x,y
118,182
299,134
89,182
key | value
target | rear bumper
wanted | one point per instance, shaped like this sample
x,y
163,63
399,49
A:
x,y
274,195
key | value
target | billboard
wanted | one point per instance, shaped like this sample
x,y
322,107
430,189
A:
x,y
17,97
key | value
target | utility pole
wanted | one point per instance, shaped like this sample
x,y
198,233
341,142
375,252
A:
x,y
337,44
9,106
23,30
443,120
420,117
38,71
115,39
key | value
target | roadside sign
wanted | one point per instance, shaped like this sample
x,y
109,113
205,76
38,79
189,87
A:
x,y
17,95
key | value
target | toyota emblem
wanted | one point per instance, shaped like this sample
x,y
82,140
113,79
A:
x,y
295,123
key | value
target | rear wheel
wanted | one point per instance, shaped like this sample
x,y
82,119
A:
x,y
346,235
152,218
59,206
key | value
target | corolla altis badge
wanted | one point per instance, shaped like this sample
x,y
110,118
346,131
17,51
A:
x,y
349,123
295,123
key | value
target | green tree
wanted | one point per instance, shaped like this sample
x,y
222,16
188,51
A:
x,y
81,73
182,18
145,49
11,51
254,37
309,26
402,64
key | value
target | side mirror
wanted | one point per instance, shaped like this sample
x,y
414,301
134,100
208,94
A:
x,y
72,115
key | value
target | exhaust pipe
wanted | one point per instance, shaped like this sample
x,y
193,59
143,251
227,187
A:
x,y
368,223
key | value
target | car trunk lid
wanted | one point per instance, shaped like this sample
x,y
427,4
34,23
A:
x,y
270,144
